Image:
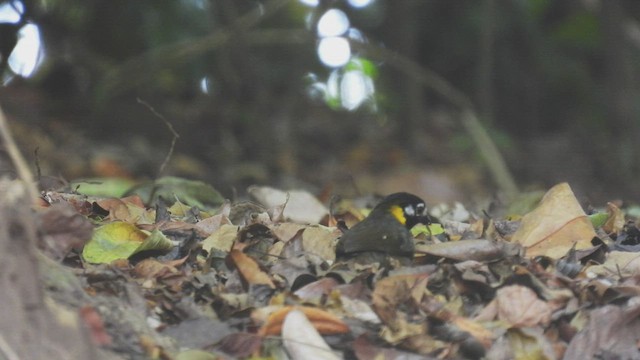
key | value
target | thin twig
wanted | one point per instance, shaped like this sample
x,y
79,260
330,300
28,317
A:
x,y
489,151
170,127
22,169
37,161
469,118
131,72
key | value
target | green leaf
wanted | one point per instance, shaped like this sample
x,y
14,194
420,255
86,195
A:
x,y
102,187
120,240
598,219
432,229
189,192
196,355
365,66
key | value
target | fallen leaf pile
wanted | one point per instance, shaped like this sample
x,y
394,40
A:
x,y
171,276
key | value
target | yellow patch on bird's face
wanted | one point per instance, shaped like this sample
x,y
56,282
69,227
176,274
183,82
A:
x,y
398,213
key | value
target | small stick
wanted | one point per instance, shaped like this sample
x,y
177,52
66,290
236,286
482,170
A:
x,y
170,127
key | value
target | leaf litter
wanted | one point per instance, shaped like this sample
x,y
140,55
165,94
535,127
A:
x,y
191,278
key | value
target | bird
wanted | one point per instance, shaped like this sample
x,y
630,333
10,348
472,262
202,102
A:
x,y
386,230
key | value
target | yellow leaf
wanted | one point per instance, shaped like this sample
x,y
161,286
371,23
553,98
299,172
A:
x,y
119,240
221,239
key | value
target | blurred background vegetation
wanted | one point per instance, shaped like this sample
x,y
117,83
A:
x,y
333,95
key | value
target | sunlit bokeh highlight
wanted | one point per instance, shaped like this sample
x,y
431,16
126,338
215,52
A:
x,y
334,51
8,13
355,88
359,3
313,3
348,86
334,22
27,54
204,85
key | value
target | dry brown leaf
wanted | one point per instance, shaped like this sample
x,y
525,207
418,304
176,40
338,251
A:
x,y
392,292
250,270
359,309
618,263
612,332
475,329
212,223
365,349
302,207
519,306
152,268
481,334
615,222
555,225
130,209
321,240
325,322
285,231
117,209
63,228
317,289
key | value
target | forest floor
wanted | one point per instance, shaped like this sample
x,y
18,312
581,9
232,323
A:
x,y
173,271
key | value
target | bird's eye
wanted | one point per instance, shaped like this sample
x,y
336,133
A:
x,y
409,210
420,208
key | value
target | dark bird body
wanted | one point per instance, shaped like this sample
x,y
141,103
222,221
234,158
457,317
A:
x,y
386,229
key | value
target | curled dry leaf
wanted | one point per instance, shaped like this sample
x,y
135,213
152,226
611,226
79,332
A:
x,y
323,321
478,250
615,222
250,270
301,338
519,306
555,225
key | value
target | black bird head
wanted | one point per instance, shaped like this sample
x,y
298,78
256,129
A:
x,y
407,208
